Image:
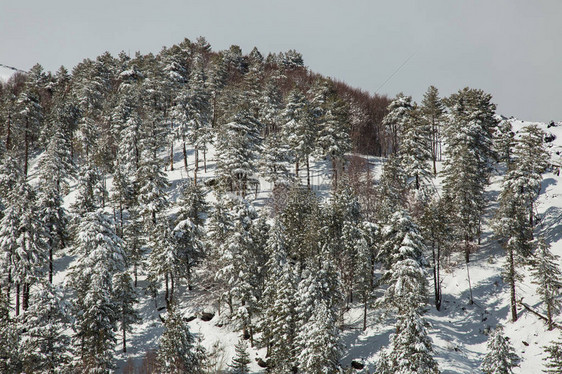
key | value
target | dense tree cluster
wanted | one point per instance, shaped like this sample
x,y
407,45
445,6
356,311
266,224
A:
x,y
283,275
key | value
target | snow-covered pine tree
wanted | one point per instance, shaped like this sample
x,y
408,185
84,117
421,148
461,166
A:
x,y
237,151
402,254
126,298
410,348
44,345
415,149
178,351
241,360
396,119
512,228
432,109
99,256
298,130
91,191
333,139
10,361
318,342
55,168
274,160
530,161
152,184
163,260
548,277
505,141
470,154
501,357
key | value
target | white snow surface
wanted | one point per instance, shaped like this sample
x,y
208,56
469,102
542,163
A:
x,y
458,331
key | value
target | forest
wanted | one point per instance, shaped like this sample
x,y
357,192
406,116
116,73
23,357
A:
x,y
92,221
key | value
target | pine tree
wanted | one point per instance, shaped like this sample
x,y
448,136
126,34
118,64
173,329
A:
x,y
410,348
501,358
237,151
548,278
531,160
318,342
241,358
188,233
333,138
402,253
126,296
178,351
396,119
298,130
100,256
554,358
433,116
45,346
415,149
505,142
10,361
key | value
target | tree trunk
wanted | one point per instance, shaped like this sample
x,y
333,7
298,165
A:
x,y
436,283
196,169
365,298
51,263
172,156
205,159
549,315
124,337
512,285
26,155
17,299
25,297
167,295
297,168
185,157
9,132
307,172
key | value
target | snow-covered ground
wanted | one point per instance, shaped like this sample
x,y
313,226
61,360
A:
x,y
458,331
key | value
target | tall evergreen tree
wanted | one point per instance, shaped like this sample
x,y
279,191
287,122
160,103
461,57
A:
x,y
178,351
433,111
100,256
501,357
241,358
548,277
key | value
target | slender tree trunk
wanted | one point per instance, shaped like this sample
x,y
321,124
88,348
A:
x,y
512,285
25,297
9,132
172,287
167,295
17,299
172,155
307,172
365,298
205,159
434,155
196,169
297,168
51,263
549,316
26,141
124,337
436,283
185,157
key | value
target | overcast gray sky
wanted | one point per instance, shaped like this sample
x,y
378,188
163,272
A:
x,y
509,48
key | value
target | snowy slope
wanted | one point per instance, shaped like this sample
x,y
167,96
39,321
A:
x,y
458,331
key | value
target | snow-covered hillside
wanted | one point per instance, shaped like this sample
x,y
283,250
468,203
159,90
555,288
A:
x,y
459,330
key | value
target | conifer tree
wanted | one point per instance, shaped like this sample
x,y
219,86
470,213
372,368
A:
x,y
396,119
505,142
99,257
178,351
10,361
554,359
333,137
410,348
402,253
432,110
548,278
501,357
241,358
415,149
469,151
298,130
318,342
45,346
126,298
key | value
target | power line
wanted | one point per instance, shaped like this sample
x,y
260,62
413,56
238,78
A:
x,y
13,68
395,72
